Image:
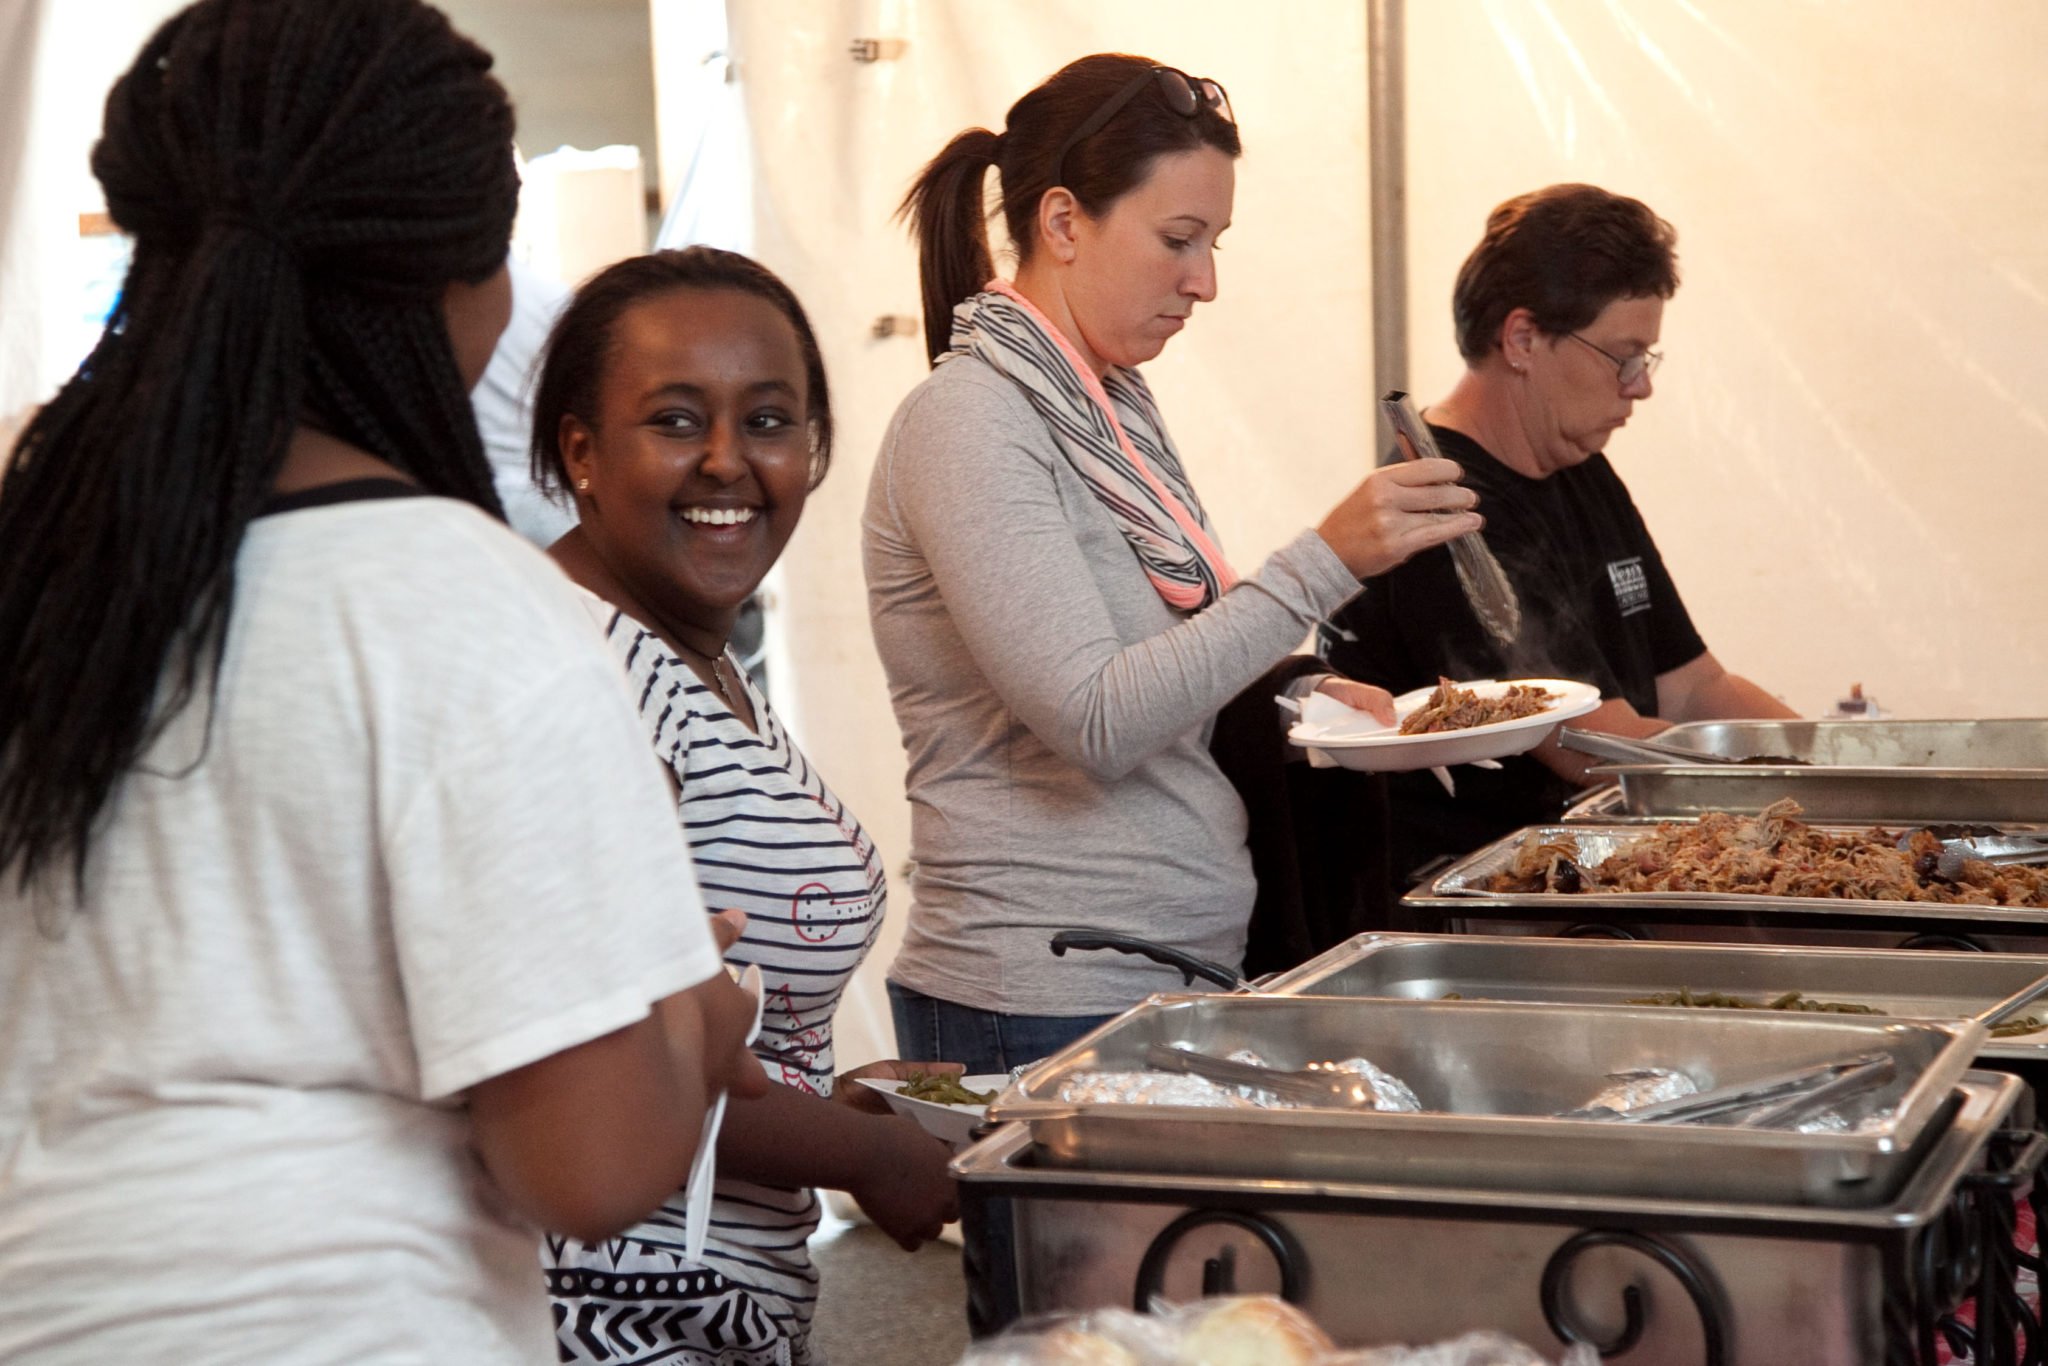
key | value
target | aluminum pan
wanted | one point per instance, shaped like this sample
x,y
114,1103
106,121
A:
x,y
1465,881
2012,744
1894,795
1008,1157
1904,984
1897,771
1493,1076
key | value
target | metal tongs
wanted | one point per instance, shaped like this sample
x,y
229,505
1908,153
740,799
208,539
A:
x,y
1479,574
1331,1088
1762,1102
1980,844
1626,749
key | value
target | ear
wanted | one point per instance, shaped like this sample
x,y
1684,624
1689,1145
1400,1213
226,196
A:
x,y
1518,337
579,452
1057,210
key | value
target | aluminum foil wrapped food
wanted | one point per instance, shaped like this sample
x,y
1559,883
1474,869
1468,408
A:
x,y
1174,1088
1389,1092
1150,1088
1626,1091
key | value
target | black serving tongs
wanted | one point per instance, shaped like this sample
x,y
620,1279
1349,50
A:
x,y
1479,573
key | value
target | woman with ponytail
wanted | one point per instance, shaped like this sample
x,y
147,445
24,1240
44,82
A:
x,y
292,935
1058,621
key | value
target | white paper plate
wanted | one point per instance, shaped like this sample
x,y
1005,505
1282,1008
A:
x,y
953,1123
1355,740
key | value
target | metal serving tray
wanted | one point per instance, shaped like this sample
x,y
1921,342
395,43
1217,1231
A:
x,y
1897,771
1904,984
1466,881
1386,1262
1493,1077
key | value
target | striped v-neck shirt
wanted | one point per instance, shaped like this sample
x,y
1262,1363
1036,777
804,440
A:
x,y
768,838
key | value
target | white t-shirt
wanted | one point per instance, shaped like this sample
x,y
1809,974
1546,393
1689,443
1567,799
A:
x,y
422,845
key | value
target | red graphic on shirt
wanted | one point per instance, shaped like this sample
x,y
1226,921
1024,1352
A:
x,y
814,896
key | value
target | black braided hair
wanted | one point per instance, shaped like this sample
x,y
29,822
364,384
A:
x,y
303,180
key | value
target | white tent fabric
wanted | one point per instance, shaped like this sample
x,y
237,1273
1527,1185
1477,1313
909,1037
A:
x,y
24,230
1843,459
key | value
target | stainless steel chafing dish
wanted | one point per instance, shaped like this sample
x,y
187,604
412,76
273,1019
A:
x,y
1491,1079
1892,771
1459,892
1903,984
1646,1279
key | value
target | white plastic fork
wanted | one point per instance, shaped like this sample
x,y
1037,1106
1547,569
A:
x,y
704,1169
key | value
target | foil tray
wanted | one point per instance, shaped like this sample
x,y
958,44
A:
x,y
1492,1078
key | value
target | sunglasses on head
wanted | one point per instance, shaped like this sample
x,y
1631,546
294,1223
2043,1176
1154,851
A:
x,y
1185,95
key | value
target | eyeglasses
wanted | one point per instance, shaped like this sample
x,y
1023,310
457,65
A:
x,y
1185,95
1627,369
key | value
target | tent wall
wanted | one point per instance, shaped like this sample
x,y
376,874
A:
x,y
1842,461
1261,391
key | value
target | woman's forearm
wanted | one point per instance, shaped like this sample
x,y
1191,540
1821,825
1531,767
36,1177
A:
x,y
790,1138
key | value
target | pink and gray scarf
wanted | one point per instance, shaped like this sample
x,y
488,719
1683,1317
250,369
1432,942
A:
x,y
1110,431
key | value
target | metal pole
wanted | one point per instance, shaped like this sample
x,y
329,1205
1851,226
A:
x,y
1386,139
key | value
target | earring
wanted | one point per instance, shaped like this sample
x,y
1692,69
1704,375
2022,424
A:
x,y
583,484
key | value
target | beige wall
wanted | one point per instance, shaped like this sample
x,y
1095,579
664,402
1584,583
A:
x,y
581,72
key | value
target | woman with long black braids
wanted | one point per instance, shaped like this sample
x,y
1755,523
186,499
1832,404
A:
x,y
290,937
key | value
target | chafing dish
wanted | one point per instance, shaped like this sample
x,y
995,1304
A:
x,y
1903,984
1646,1280
1461,890
1492,1078
1894,771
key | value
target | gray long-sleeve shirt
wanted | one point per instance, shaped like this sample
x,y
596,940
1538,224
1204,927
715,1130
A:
x,y
1055,711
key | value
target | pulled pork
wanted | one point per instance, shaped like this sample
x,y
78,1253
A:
x,y
1773,853
1451,707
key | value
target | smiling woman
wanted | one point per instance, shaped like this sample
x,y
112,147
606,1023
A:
x,y
683,400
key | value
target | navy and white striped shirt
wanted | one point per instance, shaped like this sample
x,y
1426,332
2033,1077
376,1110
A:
x,y
768,838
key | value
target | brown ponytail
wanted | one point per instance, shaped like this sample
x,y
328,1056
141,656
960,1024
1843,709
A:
x,y
949,216
947,207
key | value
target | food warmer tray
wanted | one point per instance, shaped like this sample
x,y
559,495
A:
x,y
1904,984
1492,1078
1377,1262
1463,884
1891,771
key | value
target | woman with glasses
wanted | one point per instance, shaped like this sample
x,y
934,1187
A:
x,y
1058,621
1558,311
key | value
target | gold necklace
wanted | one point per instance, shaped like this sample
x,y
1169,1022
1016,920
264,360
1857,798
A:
x,y
717,676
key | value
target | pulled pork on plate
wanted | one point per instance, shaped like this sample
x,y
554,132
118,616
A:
x,y
1773,853
1451,707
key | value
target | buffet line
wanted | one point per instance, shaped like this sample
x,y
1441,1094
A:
x,y
1735,1063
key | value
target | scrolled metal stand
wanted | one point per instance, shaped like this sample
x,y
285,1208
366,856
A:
x,y
1692,1275
1216,1280
1978,1239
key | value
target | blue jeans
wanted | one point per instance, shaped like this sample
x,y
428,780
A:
x,y
931,1030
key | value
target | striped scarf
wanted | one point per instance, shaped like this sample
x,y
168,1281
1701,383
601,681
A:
x,y
1110,432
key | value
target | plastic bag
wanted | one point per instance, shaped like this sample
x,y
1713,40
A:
x,y
1241,1330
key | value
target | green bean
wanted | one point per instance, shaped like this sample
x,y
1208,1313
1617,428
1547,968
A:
x,y
943,1089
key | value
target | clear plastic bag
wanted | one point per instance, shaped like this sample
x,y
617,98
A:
x,y
1241,1330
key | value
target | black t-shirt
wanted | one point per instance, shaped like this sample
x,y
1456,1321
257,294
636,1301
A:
x,y
1597,606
